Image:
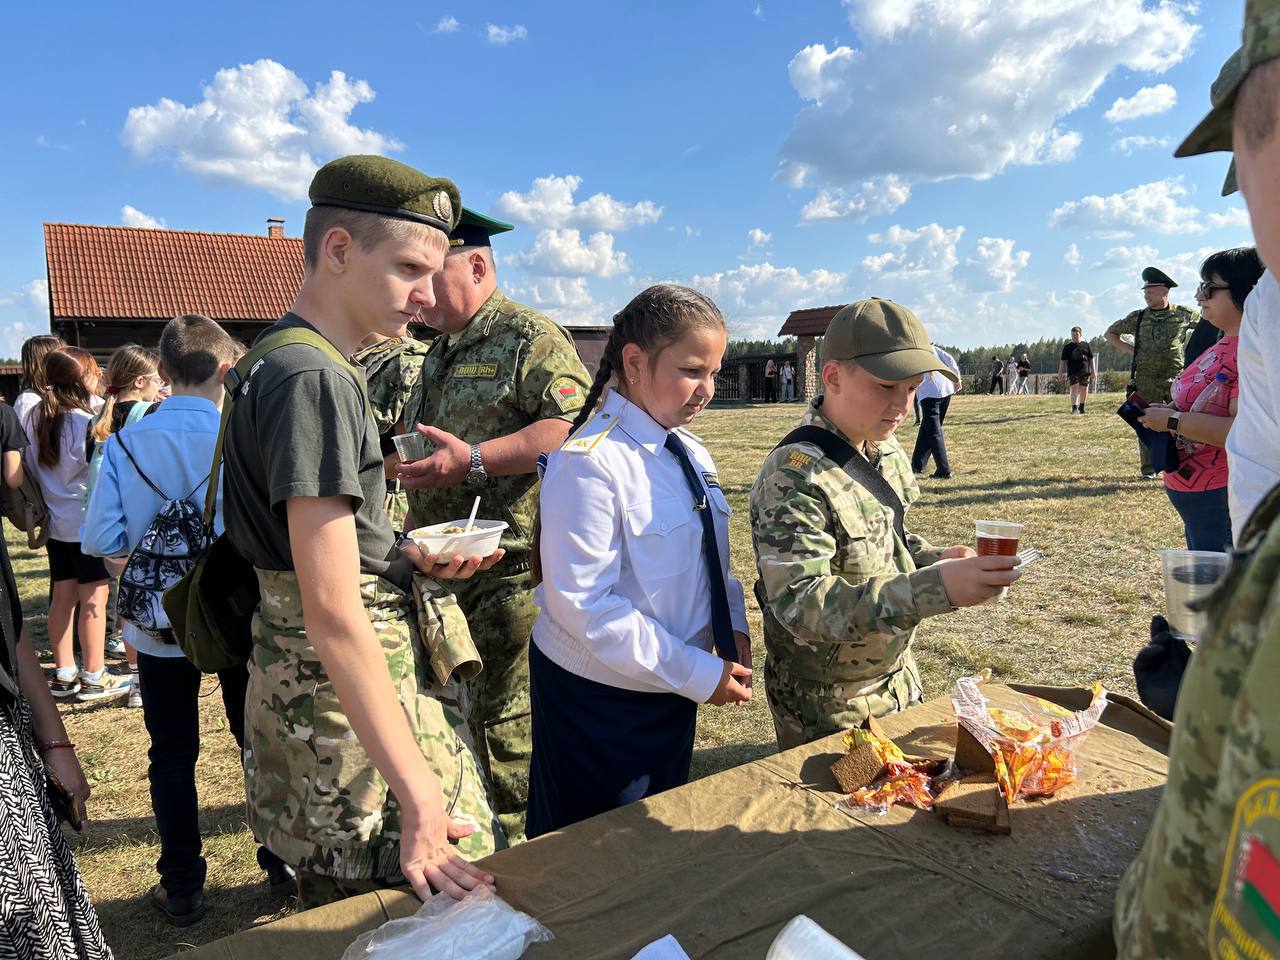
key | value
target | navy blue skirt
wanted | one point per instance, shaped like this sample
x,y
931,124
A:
x,y
597,747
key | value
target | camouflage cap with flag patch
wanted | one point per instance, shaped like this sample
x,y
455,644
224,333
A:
x,y
1261,43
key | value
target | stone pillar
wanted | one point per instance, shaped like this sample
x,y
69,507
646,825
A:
x,y
806,368
744,381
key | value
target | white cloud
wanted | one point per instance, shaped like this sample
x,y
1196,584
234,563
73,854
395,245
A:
x,y
133,217
43,141
1152,207
447,24
1233,217
257,125
501,36
756,298
562,253
997,264
23,313
1127,145
691,232
941,88
567,300
928,249
1130,259
759,11
550,203
1147,102
1072,257
875,197
757,238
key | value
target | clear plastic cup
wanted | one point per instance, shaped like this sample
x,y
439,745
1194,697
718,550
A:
x,y
998,538
1188,576
413,446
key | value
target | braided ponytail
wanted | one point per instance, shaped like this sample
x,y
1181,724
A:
x,y
655,318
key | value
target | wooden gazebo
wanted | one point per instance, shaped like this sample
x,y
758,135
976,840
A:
x,y
807,326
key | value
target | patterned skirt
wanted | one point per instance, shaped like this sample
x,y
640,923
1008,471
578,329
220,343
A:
x,y
45,913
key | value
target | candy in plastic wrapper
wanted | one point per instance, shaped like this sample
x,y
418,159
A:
x,y
1034,748
480,926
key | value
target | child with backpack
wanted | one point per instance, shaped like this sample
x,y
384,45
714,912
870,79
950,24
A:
x,y
147,505
132,383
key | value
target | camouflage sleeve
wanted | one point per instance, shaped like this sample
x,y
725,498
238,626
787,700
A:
x,y
1126,324
796,551
924,553
552,382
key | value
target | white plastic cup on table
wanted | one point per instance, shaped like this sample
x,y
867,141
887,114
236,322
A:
x,y
1188,576
998,538
412,446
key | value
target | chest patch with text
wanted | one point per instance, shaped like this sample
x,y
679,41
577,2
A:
x,y
475,371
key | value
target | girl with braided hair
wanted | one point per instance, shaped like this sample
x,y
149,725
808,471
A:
x,y
640,618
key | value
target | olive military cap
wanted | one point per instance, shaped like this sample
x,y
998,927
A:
x,y
1261,43
388,187
1154,276
474,229
885,338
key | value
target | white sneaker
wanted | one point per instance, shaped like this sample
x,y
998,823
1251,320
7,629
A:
x,y
135,692
114,647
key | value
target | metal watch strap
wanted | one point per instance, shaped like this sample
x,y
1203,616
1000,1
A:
x,y
477,474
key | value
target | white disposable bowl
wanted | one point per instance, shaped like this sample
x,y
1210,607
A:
x,y
483,539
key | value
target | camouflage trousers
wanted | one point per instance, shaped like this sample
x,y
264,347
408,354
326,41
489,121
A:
x,y
500,612
805,710
314,796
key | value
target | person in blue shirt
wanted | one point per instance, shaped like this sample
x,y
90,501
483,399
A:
x,y
640,620
173,447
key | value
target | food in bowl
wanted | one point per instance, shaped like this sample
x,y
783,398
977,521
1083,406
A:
x,y
449,540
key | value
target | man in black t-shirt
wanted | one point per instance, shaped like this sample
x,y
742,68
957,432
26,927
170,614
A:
x,y
1077,366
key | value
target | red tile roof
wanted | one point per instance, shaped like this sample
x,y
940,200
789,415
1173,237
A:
x,y
812,322
145,274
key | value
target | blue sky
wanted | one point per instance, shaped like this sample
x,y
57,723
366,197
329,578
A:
x,y
1004,167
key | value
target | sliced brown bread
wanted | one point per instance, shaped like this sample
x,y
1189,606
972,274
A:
x,y
972,756
858,768
974,802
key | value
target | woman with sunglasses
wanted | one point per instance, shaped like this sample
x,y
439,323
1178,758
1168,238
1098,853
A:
x,y
1204,403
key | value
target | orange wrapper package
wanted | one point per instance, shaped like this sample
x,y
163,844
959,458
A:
x,y
1035,748
901,782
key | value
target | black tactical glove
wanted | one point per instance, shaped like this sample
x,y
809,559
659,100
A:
x,y
1159,666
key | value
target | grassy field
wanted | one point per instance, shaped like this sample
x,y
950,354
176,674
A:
x,y
1077,616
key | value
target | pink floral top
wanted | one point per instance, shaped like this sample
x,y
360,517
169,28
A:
x,y
1204,466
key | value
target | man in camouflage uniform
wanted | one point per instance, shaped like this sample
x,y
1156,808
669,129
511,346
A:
x,y
498,387
1159,333
353,772
841,591
391,369
1207,880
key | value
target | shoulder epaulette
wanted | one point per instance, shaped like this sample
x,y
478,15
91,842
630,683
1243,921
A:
x,y
584,439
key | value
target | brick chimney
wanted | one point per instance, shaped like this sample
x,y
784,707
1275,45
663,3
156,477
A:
x,y
275,228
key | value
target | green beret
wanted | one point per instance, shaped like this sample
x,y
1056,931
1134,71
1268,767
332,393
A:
x,y
1154,275
475,229
388,187
1261,43
885,338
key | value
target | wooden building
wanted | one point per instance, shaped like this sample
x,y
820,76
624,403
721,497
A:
x,y
808,327
114,285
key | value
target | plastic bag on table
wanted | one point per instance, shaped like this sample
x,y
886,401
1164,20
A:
x,y
480,926
1034,748
903,780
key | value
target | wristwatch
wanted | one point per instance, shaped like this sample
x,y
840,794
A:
x,y
476,476
1173,427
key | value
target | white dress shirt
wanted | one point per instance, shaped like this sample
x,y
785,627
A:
x,y
624,598
935,385
1253,445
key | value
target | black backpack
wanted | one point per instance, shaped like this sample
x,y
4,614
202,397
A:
x,y
169,548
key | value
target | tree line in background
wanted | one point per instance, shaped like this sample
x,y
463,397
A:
x,y
1043,354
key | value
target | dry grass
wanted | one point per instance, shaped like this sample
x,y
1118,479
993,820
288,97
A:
x,y
1077,616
